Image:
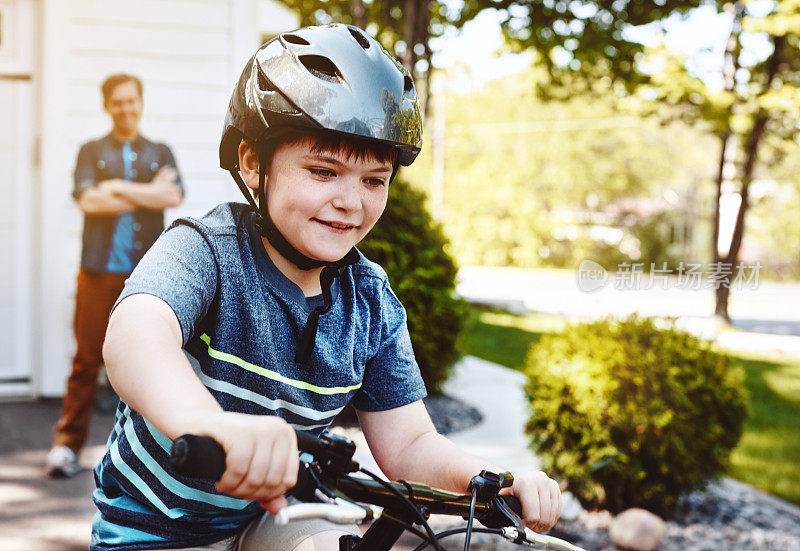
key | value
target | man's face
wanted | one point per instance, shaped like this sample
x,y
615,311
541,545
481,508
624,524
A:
x,y
124,106
325,203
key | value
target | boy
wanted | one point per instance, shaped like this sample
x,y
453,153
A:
x,y
250,322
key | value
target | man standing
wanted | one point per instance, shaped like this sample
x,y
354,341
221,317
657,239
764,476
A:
x,y
123,183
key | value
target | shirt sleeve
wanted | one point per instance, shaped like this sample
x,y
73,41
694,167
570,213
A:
x,y
180,269
391,377
169,160
84,176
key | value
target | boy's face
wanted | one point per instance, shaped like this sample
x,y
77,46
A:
x,y
324,203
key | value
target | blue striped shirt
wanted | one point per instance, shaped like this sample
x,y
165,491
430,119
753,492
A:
x,y
241,319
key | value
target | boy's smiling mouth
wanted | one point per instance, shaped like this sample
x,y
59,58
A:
x,y
335,225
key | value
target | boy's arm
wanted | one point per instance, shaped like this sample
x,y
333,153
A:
x,y
406,446
148,369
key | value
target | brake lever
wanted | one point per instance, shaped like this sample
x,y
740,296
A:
x,y
335,510
504,509
538,541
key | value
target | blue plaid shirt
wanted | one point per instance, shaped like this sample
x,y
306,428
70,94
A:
x,y
101,160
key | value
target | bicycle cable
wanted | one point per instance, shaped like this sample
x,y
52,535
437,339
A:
x,y
471,519
417,512
404,524
454,531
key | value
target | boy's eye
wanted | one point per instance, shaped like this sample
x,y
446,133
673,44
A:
x,y
375,182
322,172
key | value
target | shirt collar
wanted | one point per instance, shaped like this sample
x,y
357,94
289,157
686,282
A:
x,y
136,143
273,276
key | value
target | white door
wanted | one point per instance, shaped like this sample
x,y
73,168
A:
x,y
17,28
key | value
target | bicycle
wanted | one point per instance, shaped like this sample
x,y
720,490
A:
x,y
327,490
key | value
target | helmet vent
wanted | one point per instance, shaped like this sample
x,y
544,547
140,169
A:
x,y
294,39
321,67
360,38
408,84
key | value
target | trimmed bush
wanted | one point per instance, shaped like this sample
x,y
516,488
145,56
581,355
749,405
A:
x,y
410,247
631,415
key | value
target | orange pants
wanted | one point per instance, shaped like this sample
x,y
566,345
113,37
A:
x,y
96,294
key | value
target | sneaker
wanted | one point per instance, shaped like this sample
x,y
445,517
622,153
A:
x,y
62,462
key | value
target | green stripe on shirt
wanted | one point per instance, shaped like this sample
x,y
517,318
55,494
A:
x,y
274,375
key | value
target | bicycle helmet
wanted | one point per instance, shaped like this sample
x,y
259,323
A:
x,y
333,78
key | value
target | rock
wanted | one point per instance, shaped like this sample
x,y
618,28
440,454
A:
x,y
570,506
450,414
637,530
760,522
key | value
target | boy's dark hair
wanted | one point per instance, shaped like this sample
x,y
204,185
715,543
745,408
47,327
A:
x,y
115,80
328,141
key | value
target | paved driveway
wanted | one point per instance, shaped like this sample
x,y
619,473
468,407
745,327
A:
x,y
768,315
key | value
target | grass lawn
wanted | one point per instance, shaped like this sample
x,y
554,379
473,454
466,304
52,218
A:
x,y
505,338
768,455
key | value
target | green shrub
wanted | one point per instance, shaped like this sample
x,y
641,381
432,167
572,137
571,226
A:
x,y
410,247
630,414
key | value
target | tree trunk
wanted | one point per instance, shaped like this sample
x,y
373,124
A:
x,y
732,257
425,107
415,31
751,156
358,12
409,34
732,51
718,195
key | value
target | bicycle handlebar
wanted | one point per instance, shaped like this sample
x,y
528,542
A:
x,y
202,457
198,457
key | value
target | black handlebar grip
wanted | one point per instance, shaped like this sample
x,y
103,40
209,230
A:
x,y
309,443
198,457
513,503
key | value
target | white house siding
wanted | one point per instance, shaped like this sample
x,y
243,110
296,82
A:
x,y
17,61
187,53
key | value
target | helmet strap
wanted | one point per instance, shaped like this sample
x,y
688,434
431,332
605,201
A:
x,y
275,237
330,270
243,188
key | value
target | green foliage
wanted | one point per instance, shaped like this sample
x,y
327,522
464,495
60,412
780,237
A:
x,y
391,22
411,248
503,338
655,235
630,414
579,42
769,452
773,224
526,181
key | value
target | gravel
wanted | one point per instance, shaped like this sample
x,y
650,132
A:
x,y
725,516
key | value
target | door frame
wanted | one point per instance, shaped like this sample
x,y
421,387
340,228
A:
x,y
17,67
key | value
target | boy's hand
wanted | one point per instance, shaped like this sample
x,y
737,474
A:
x,y
541,500
261,456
